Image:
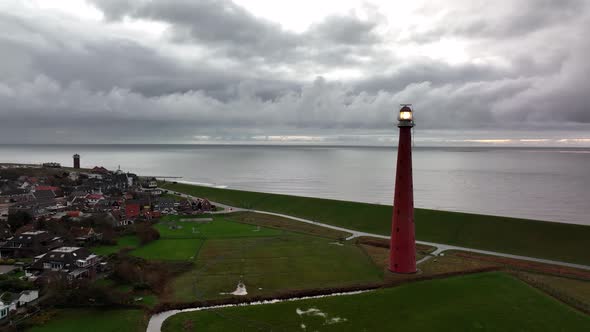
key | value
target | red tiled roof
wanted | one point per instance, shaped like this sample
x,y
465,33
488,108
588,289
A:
x,y
100,169
52,188
74,214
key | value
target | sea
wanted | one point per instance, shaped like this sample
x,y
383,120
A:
x,y
551,184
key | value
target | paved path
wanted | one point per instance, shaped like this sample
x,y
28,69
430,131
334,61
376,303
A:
x,y
439,246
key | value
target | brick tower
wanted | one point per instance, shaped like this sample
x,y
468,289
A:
x,y
77,161
402,252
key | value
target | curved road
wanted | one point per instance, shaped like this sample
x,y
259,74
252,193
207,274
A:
x,y
156,321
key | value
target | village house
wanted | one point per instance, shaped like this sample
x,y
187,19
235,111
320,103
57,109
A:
x,y
132,179
165,204
29,244
106,205
71,262
77,200
92,199
120,181
28,207
4,208
185,205
132,209
5,232
11,193
10,302
73,176
117,218
85,235
99,170
151,186
56,190
44,199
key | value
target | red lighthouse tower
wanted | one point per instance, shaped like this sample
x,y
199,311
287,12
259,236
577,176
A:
x,y
402,252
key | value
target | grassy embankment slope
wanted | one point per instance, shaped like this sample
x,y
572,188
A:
x,y
564,242
474,302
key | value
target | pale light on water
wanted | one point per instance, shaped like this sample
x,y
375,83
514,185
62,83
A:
x,y
546,184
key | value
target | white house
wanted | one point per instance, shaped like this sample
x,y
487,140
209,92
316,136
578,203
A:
x,y
11,301
74,176
94,176
6,307
27,296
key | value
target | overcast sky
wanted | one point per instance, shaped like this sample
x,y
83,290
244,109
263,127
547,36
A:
x,y
157,71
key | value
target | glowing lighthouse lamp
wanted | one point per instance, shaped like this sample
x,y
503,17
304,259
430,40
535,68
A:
x,y
405,114
402,252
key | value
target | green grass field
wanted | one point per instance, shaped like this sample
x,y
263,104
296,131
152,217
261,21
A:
x,y
172,227
268,260
267,265
181,240
483,302
169,250
557,241
276,222
94,320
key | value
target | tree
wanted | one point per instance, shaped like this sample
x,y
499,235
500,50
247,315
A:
x,y
126,271
146,233
12,283
18,219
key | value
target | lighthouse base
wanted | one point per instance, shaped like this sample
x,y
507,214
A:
x,y
417,271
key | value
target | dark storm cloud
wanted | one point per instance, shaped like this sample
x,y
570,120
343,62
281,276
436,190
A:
x,y
219,70
346,30
235,32
219,23
101,64
561,97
